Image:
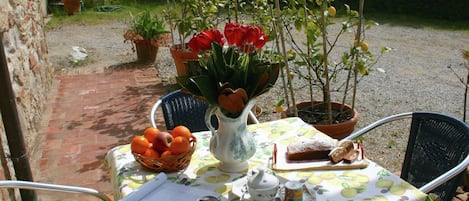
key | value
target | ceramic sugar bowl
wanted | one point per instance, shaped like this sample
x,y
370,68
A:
x,y
262,185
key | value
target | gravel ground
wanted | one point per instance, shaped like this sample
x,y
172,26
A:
x,y
416,76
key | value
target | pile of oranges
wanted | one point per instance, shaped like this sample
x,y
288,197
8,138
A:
x,y
159,144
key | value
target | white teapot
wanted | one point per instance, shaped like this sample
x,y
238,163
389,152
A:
x,y
262,186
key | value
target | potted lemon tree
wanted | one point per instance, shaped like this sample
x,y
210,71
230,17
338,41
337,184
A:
x,y
146,33
329,61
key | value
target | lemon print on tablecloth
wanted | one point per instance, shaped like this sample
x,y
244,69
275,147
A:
x,y
134,185
124,149
273,135
349,192
349,173
150,177
138,178
355,184
253,164
204,169
361,178
281,130
352,188
418,194
217,178
288,141
224,190
304,174
376,198
314,180
327,175
306,132
406,185
334,182
283,174
384,183
398,189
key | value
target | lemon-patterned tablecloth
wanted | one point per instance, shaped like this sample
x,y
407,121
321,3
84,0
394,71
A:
x,y
371,183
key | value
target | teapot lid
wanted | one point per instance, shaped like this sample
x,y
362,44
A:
x,y
260,179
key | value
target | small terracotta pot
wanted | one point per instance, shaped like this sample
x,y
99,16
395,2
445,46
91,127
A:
x,y
337,131
146,51
180,57
72,6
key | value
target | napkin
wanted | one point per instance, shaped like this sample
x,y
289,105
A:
x,y
159,188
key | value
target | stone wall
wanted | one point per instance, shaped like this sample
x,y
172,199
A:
x,y
22,24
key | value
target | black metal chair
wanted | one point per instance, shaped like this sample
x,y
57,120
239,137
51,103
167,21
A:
x,y
53,187
437,151
181,108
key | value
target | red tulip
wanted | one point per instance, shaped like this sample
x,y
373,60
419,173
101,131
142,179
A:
x,y
203,41
234,34
245,37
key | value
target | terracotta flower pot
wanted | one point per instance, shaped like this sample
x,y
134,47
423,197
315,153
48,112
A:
x,y
180,57
146,50
72,6
335,130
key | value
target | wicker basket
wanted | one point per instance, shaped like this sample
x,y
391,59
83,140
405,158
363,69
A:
x,y
170,163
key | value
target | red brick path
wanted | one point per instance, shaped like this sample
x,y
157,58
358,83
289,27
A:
x,y
90,114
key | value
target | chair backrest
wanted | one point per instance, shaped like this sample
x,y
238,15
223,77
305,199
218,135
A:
x,y
53,187
180,108
437,143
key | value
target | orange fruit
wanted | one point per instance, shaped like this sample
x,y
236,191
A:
x,y
179,145
181,131
140,144
151,153
165,154
150,133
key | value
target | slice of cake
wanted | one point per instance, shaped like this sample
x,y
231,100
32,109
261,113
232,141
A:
x,y
345,151
310,149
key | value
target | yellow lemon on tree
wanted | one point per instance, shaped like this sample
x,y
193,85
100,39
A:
x,y
278,109
364,46
332,11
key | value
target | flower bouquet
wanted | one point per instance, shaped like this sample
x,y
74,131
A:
x,y
230,76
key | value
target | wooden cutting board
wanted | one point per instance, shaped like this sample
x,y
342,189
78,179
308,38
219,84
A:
x,y
283,164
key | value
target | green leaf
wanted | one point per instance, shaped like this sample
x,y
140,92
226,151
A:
x,y
186,82
207,88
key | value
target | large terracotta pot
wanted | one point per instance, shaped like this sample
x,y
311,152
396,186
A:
x,y
337,130
72,6
146,50
180,57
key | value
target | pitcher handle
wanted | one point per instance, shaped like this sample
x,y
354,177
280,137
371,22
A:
x,y
208,117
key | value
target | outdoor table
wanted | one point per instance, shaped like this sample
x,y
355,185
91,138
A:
x,y
370,183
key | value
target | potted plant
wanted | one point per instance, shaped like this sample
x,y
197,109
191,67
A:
x,y
185,18
72,6
324,66
146,34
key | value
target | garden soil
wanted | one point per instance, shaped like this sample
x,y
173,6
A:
x,y
413,76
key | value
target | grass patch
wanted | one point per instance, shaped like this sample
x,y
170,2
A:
x,y
92,16
416,22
